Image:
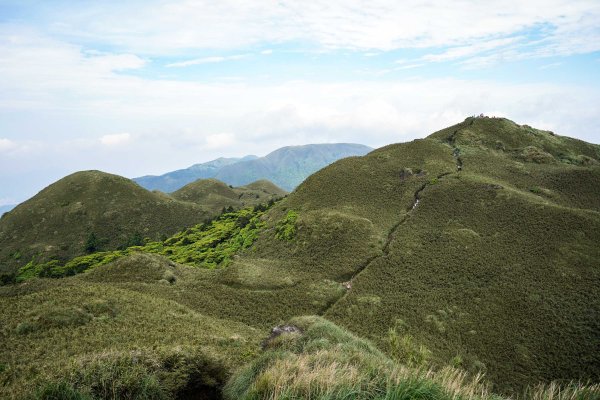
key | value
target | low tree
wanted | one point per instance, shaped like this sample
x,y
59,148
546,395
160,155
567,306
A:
x,y
92,243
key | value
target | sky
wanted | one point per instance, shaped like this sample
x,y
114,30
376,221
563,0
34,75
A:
x,y
146,87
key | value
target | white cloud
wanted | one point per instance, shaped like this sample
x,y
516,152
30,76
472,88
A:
x,y
569,26
551,65
40,76
409,66
474,48
115,139
78,93
220,140
44,76
115,62
7,201
7,144
207,60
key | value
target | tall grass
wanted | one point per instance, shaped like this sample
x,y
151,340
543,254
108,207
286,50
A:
x,y
327,362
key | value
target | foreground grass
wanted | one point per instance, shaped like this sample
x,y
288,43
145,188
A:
x,y
102,341
319,360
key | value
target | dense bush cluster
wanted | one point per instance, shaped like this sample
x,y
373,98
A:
x,y
208,245
286,228
150,375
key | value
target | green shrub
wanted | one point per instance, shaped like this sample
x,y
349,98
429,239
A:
x,y
55,318
286,227
92,244
536,155
139,375
208,245
101,308
169,276
7,278
136,239
405,349
118,377
59,391
49,317
536,190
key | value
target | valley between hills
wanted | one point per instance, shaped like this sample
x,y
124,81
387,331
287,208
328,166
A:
x,y
465,265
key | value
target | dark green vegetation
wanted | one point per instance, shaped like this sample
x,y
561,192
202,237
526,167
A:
x,y
114,333
287,167
58,221
476,247
93,211
175,180
208,245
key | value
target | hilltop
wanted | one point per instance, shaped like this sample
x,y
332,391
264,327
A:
x,y
57,221
286,167
475,247
216,195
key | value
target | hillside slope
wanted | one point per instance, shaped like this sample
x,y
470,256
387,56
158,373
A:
x,y
478,242
491,254
288,166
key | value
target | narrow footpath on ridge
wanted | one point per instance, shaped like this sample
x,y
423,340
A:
x,y
385,251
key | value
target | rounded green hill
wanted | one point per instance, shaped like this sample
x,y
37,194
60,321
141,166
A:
x,y
57,221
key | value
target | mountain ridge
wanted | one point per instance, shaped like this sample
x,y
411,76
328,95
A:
x,y
286,167
171,181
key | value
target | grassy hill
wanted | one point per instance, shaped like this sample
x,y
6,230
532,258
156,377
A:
x,y
288,166
496,265
57,222
215,195
172,181
475,248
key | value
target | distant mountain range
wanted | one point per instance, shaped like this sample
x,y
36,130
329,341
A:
x,y
174,180
286,167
